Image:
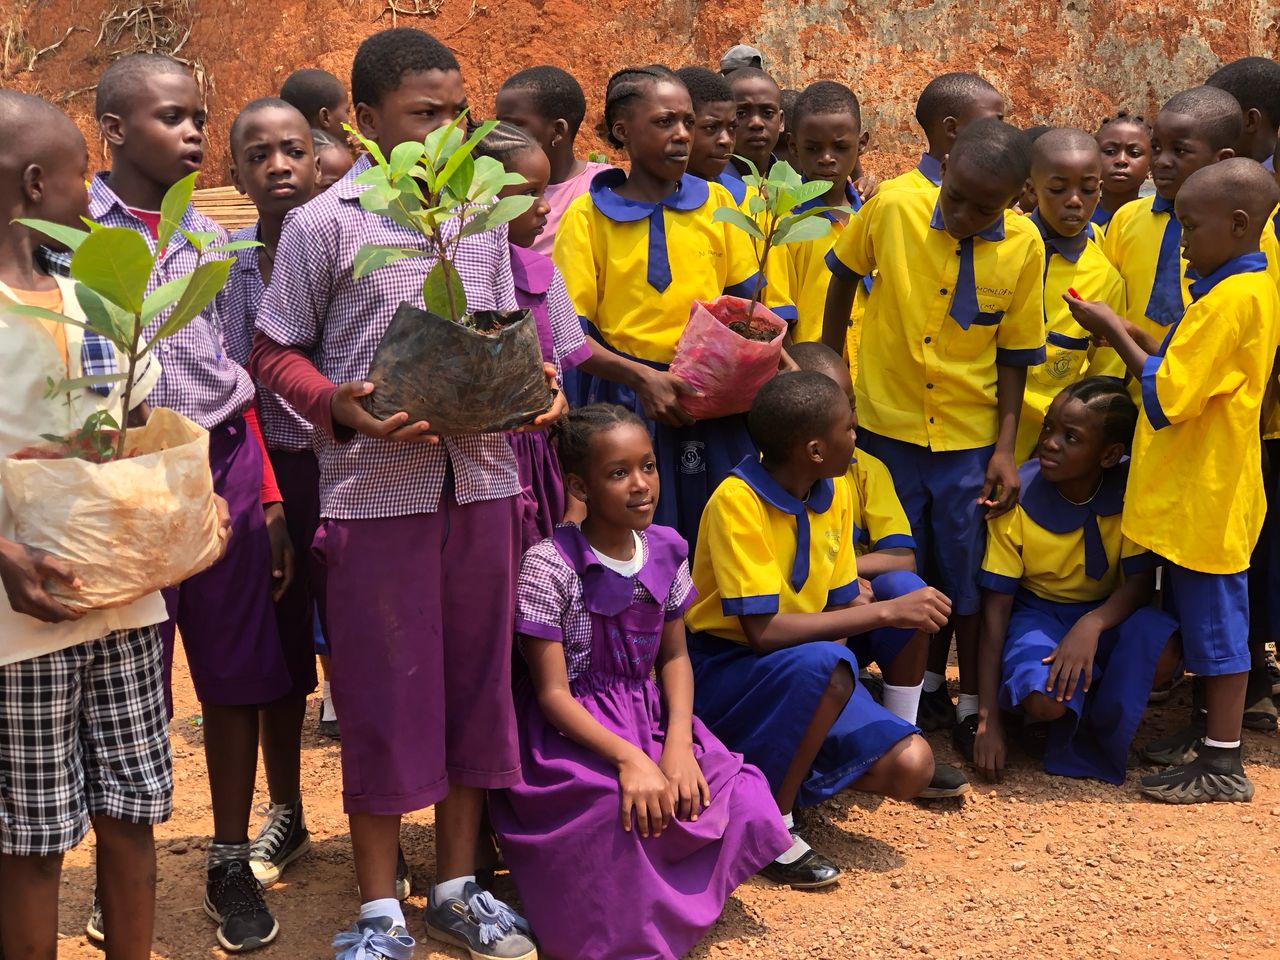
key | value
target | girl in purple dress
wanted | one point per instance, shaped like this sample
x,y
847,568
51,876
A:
x,y
539,289
634,824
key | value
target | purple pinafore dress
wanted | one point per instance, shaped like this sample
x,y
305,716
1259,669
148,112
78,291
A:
x,y
588,888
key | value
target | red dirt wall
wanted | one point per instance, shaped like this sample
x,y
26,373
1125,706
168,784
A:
x,y
1057,61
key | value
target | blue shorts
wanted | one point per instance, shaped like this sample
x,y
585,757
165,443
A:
x,y
882,645
1213,616
939,492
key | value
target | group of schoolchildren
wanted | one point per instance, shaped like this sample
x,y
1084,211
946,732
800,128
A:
x,y
1020,406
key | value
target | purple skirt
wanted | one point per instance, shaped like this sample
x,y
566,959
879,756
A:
x,y
542,500
590,889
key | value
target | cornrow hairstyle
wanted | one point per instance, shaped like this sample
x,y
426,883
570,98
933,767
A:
x,y
705,86
382,60
1125,117
1254,82
257,106
312,90
996,148
1216,112
1108,398
825,96
574,432
626,86
947,95
505,141
556,94
792,409
120,82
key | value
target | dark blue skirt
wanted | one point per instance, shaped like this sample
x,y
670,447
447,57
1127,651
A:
x,y
761,706
1093,738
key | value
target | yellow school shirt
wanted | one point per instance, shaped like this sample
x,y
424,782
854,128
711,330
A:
x,y
925,175
1071,263
760,550
922,377
634,269
1044,544
879,522
1195,491
807,275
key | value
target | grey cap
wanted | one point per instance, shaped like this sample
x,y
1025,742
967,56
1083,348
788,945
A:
x,y
741,55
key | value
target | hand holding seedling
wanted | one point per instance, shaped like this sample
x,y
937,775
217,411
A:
x,y
559,405
24,571
347,411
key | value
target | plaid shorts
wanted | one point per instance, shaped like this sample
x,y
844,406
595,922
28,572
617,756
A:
x,y
83,734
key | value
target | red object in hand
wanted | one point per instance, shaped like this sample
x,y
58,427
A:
x,y
1072,291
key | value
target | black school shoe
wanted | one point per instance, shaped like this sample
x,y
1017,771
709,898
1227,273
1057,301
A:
x,y
810,871
1215,775
963,735
947,781
233,899
936,711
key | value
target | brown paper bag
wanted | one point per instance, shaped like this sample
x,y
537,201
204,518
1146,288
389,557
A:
x,y
127,527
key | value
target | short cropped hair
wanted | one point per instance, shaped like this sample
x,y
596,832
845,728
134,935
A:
x,y
1107,397
384,58
817,356
994,147
1217,113
311,90
705,86
751,73
792,409
825,96
119,83
1237,183
256,106
1254,82
556,94
1059,140
627,86
947,95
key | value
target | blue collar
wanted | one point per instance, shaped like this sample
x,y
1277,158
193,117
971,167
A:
x,y
730,180
1160,205
821,495
931,168
1069,248
1043,503
995,232
850,197
690,193
1269,164
1247,263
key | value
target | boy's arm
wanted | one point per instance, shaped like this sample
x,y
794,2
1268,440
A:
x,y
851,258
871,565
925,609
1002,469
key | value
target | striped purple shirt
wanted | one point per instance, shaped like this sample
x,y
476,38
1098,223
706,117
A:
x,y
283,428
199,378
313,304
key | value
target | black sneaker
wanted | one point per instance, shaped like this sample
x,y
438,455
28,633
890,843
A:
x,y
1216,774
282,840
233,898
1273,673
936,711
327,728
1180,747
947,782
963,735
374,939
482,925
93,929
874,685
810,871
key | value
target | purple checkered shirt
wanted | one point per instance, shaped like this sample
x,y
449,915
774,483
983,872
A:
x,y
283,428
549,594
313,304
199,380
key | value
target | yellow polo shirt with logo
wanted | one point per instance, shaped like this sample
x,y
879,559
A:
x,y
879,521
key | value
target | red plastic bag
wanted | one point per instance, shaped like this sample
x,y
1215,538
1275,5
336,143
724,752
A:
x,y
726,367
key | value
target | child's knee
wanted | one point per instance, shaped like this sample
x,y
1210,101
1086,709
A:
x,y
840,686
122,834
912,769
1042,708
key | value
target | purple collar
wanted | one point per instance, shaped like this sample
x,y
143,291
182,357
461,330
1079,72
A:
x,y
532,271
607,592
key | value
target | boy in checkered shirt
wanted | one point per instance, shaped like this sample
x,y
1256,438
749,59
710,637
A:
x,y
83,732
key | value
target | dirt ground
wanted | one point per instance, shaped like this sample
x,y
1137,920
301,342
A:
x,y
1038,866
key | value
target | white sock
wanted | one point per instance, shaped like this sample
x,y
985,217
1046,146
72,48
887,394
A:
x,y
324,689
1210,742
789,821
933,681
966,705
327,712
450,889
903,702
387,907
794,852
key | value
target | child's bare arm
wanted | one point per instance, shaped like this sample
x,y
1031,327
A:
x,y
989,748
1101,321
1072,658
658,391
924,609
1002,469
871,565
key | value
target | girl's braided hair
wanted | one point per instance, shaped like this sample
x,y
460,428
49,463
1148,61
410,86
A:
x,y
574,432
1124,116
1108,397
627,85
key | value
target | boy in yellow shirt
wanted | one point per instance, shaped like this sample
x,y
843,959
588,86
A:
x,y
1066,177
1195,493
953,321
947,105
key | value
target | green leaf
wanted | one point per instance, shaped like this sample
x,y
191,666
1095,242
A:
x,y
379,198
199,238
92,224
461,180
477,224
233,246
84,383
441,142
508,208
116,263
373,149
162,297
39,313
69,237
735,217
404,158
106,318
800,230
207,280
442,279
804,192
176,200
755,204
372,257
463,153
